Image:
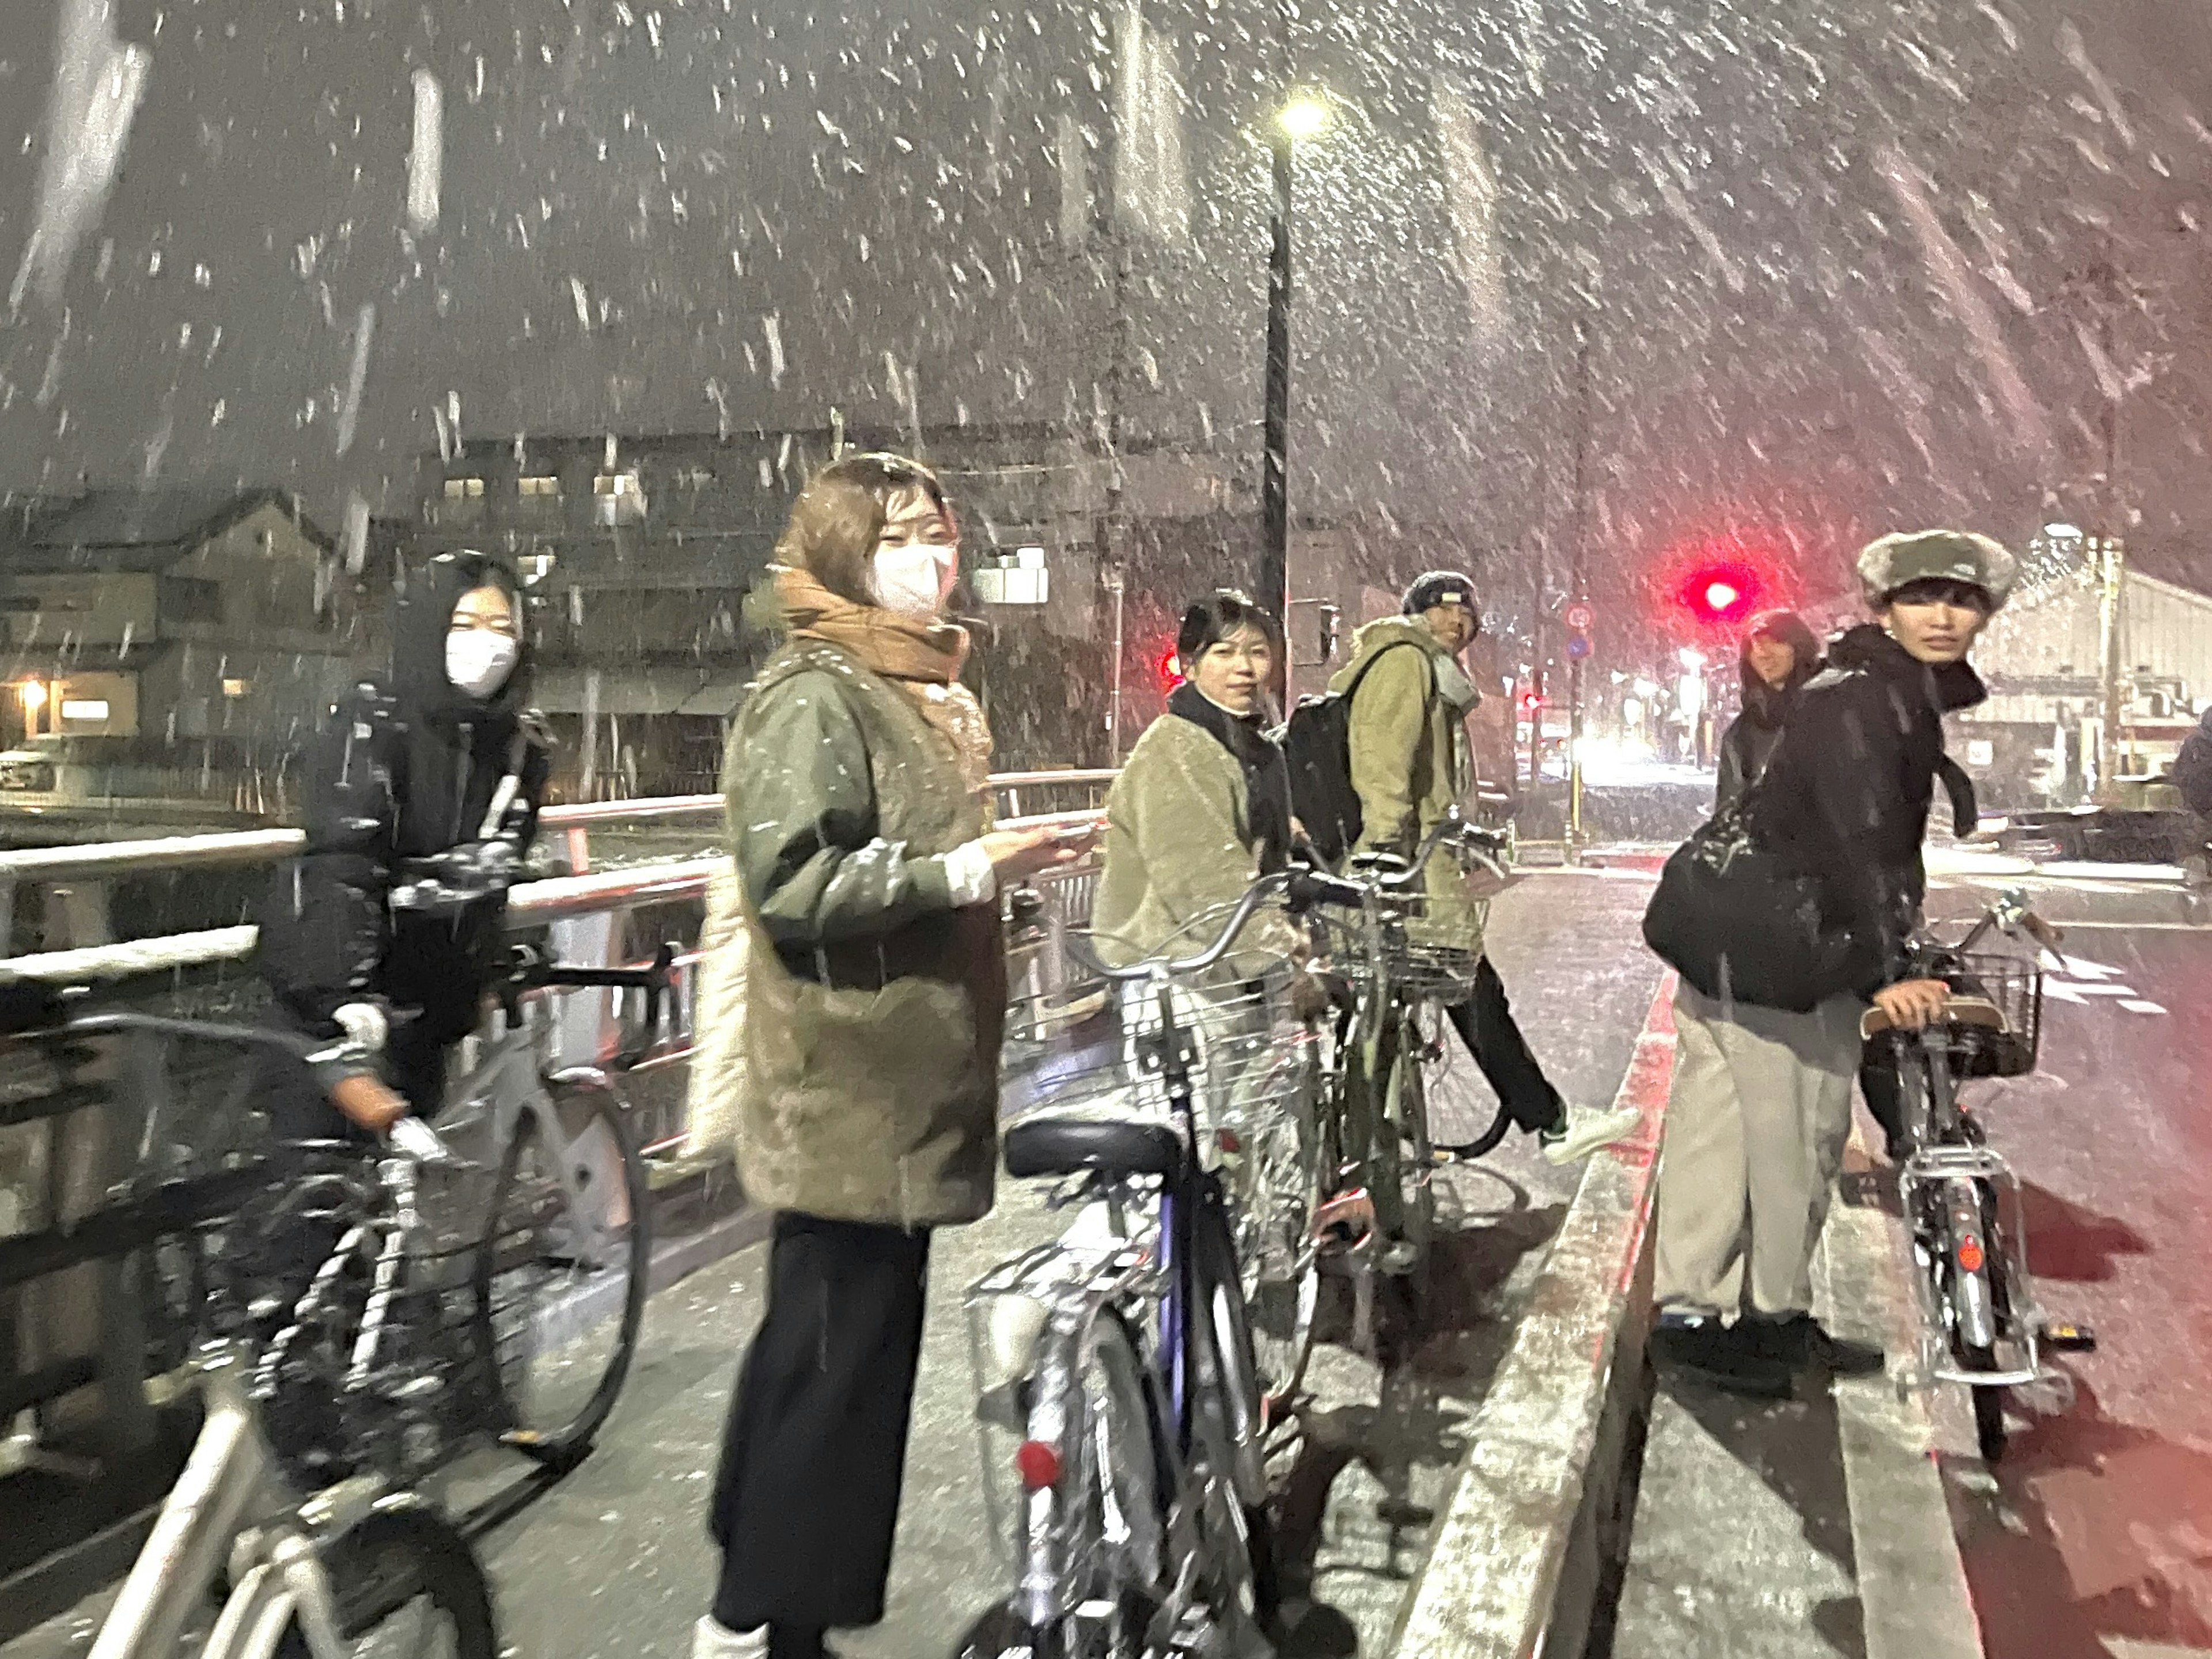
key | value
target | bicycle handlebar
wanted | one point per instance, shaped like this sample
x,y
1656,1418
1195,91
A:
x,y
1482,844
315,1052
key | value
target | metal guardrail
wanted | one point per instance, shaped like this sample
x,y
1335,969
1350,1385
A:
x,y
554,898
249,846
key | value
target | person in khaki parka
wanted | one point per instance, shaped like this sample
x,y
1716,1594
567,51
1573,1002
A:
x,y
867,1041
1410,765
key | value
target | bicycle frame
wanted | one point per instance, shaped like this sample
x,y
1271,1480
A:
x,y
276,1567
506,1084
1948,1176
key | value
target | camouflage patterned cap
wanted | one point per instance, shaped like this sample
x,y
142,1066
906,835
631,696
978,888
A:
x,y
1948,556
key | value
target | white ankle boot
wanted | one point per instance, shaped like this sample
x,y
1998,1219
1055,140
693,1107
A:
x,y
710,1641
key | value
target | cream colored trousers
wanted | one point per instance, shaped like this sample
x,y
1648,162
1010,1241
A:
x,y
1756,1124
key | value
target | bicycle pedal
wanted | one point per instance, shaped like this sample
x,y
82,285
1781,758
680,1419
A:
x,y
2069,1338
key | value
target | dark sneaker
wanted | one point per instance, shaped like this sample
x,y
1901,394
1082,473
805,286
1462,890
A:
x,y
1803,1344
1719,1357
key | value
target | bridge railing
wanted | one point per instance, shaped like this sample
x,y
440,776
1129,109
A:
x,y
65,1314
84,875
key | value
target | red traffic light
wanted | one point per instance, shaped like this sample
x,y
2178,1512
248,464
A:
x,y
1169,669
1716,584
1530,702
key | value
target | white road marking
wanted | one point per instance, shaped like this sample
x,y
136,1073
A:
x,y
2137,1006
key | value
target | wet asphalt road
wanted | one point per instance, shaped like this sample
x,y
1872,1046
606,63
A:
x,y
2094,1537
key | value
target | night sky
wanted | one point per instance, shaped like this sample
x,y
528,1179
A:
x,y
1825,247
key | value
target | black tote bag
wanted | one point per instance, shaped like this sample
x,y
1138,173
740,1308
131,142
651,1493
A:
x,y
1739,925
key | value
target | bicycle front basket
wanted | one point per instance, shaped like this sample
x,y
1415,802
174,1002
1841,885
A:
x,y
2014,986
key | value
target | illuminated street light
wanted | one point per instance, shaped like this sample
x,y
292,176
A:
x,y
1303,115
1306,115
1720,596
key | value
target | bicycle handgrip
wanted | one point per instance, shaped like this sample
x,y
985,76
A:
x,y
1308,888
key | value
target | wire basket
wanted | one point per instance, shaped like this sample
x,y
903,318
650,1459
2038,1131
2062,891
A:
x,y
1393,959
1252,1057
295,1268
2014,986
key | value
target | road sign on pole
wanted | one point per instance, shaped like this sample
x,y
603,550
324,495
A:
x,y
1578,618
1577,646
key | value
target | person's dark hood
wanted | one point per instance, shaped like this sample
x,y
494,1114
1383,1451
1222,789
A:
x,y
1868,649
1765,705
423,611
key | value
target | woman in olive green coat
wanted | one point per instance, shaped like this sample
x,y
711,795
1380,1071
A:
x,y
1202,807
874,991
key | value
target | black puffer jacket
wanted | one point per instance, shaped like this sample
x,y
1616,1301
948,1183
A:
x,y
406,766
1845,797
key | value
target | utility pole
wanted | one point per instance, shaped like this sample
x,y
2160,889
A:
x,y
1579,587
1275,484
2104,287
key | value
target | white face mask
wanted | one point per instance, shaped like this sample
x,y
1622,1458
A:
x,y
479,661
914,580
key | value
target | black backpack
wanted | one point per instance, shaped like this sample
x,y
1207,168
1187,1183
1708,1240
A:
x,y
1317,742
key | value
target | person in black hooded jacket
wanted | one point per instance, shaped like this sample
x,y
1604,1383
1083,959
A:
x,y
1760,1108
1780,654
436,761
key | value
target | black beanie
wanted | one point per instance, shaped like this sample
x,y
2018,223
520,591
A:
x,y
1440,587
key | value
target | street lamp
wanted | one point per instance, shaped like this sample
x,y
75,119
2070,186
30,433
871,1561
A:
x,y
1304,116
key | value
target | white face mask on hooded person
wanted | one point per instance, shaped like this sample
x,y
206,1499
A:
x,y
479,659
913,580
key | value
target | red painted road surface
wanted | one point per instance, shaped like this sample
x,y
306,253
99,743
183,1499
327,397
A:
x,y
2095,1538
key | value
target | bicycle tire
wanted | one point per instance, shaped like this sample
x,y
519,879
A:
x,y
1990,1434
1114,1402
1277,1189
530,1284
1407,1107
408,1586
1236,1425
1487,1142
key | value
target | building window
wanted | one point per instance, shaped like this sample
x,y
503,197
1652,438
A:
x,y
192,599
691,478
233,688
620,498
464,490
541,484
93,709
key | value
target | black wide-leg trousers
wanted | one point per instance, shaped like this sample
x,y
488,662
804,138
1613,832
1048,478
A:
x,y
807,1497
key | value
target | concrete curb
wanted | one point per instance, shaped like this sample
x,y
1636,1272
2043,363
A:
x,y
1534,1513
1913,1584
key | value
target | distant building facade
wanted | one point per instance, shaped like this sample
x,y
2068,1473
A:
x,y
172,645
641,551
2036,741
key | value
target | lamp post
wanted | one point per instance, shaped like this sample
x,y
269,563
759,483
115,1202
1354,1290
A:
x,y
1304,116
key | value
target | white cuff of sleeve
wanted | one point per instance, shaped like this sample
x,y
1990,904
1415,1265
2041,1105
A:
x,y
968,869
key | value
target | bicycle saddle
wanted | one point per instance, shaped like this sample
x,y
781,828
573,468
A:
x,y
1067,1145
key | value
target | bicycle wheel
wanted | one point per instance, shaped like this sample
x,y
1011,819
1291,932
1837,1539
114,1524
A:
x,y
1104,1550
1232,1427
560,1275
1407,1104
1276,1189
1990,1432
408,1586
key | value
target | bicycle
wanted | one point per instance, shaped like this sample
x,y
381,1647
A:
x,y
562,1273
1388,1036
1122,1357
1979,1324
330,1576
